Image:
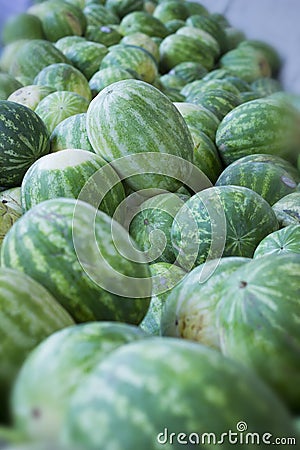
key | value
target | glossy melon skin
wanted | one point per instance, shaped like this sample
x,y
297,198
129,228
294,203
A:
x,y
259,322
60,242
141,372
23,139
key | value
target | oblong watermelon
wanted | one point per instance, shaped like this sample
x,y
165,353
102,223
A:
x,y
149,389
133,118
23,139
83,257
28,315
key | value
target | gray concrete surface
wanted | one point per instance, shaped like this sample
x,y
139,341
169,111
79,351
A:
x,y
274,21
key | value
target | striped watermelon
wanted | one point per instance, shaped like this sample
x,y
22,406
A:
x,y
171,10
259,126
206,39
163,391
8,85
247,63
151,226
221,221
124,7
210,25
61,239
59,105
141,21
144,41
23,139
64,77
190,308
131,117
105,77
98,15
285,240
165,277
32,57
70,133
189,71
219,101
269,180
199,117
22,26
59,18
31,95
132,58
259,322
105,35
287,209
65,173
28,315
44,387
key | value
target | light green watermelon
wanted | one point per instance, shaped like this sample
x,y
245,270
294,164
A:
x,y
259,318
28,315
70,133
30,95
61,239
65,173
190,308
45,384
287,209
145,393
285,240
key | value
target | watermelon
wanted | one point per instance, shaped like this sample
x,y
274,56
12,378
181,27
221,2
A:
x,y
121,8
190,308
210,25
8,85
59,19
269,52
22,26
63,44
219,101
259,318
206,156
142,40
31,95
105,35
170,81
44,387
151,226
23,139
161,391
86,56
65,173
61,239
285,240
171,10
199,86
221,221
28,315
132,118
287,209
141,21
32,57
59,105
173,25
199,117
206,39
10,210
64,77
266,86
260,126
132,58
177,48
247,63
70,133
105,77
98,15
189,71
165,277
269,180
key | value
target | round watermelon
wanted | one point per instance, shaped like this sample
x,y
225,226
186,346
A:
x,y
221,221
285,240
23,139
190,308
258,318
44,386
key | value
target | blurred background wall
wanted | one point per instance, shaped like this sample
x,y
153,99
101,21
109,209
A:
x,y
274,21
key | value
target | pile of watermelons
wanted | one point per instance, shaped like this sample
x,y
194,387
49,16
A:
x,y
149,231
